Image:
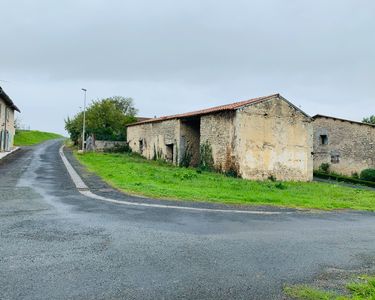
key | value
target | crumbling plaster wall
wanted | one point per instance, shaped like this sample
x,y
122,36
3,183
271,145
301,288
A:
x,y
273,139
353,143
151,139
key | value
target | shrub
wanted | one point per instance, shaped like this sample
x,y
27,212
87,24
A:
x,y
187,157
280,186
206,160
158,154
368,175
232,172
272,178
186,175
341,178
324,167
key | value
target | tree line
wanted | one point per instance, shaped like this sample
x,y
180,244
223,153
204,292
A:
x,y
106,119
369,120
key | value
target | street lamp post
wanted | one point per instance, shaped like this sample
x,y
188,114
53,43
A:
x,y
84,120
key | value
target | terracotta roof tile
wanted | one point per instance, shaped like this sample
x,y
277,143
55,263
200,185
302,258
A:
x,y
227,107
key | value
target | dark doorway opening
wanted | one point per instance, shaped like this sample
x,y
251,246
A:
x,y
190,142
169,153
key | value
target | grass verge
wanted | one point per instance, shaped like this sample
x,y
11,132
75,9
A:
x,y
134,174
363,288
33,137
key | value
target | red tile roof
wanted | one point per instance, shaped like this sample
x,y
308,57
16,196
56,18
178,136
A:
x,y
227,107
343,120
141,119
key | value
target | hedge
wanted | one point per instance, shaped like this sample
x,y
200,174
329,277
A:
x,y
368,175
343,179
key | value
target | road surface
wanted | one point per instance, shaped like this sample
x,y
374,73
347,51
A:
x,y
58,244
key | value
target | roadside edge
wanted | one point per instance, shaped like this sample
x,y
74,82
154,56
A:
x,y
84,190
6,154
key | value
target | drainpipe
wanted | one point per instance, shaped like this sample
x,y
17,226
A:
x,y
5,128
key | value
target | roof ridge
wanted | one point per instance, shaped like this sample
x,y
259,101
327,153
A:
x,y
7,99
344,120
224,107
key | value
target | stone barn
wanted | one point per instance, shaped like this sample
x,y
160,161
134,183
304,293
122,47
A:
x,y
347,146
261,138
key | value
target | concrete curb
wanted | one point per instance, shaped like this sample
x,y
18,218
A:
x,y
77,180
5,154
84,190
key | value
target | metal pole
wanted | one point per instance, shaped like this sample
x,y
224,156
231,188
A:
x,y
84,120
5,129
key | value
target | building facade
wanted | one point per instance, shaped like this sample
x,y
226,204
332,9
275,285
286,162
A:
x,y
7,129
261,138
347,146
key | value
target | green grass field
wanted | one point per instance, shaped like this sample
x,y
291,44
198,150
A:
x,y
133,174
33,137
362,288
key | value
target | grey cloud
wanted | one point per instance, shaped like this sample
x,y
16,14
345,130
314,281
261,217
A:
x,y
319,52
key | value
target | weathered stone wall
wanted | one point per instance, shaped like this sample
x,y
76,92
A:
x,y
156,140
9,126
273,139
268,139
189,141
350,146
217,131
100,145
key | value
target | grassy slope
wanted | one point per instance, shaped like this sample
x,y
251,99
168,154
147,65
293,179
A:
x,y
32,137
160,180
363,288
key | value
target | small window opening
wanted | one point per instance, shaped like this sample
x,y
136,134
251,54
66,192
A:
x,y
335,159
141,146
323,139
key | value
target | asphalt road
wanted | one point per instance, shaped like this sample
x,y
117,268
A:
x,y
57,244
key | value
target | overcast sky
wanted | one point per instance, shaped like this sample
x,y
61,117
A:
x,y
177,56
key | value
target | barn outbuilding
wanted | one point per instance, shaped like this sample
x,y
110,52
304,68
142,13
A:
x,y
348,147
260,138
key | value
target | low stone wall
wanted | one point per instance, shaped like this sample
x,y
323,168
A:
x,y
101,146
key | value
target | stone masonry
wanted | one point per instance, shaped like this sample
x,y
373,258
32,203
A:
x,y
347,146
261,138
156,140
273,139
